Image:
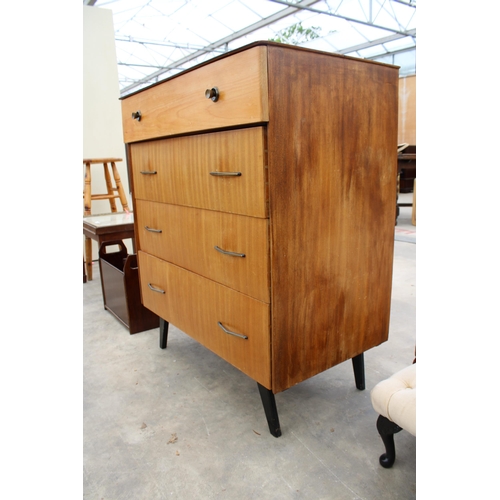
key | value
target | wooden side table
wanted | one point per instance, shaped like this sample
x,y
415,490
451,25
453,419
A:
x,y
107,227
111,195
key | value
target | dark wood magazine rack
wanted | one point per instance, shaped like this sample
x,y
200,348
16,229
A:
x,y
120,289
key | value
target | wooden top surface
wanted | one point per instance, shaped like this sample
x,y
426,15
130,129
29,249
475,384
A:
x,y
101,160
106,222
255,44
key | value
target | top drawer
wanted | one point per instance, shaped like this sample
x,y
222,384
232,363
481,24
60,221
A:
x,y
179,105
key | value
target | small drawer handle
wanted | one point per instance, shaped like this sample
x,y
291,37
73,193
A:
x,y
150,229
136,115
148,172
225,174
158,290
229,332
212,93
226,252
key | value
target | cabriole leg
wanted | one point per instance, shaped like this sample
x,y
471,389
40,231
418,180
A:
x,y
387,429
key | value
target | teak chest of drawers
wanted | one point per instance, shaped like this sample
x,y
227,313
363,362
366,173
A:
x,y
264,186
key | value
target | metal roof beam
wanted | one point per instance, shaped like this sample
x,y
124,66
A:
x,y
162,44
380,41
291,9
408,4
350,19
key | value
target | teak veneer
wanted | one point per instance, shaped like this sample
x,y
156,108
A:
x,y
265,208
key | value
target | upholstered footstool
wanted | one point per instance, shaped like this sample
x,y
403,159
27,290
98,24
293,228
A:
x,y
395,399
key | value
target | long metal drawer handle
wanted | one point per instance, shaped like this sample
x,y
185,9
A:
x,y
155,289
226,174
148,172
150,229
229,332
226,252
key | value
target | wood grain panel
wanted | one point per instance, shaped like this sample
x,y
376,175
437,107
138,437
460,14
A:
x,y
189,236
407,115
183,166
179,105
332,191
196,305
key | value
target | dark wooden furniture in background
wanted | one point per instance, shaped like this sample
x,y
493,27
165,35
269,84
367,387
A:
x,y
120,288
407,174
264,185
407,168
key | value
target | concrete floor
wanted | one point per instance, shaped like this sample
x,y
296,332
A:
x,y
182,423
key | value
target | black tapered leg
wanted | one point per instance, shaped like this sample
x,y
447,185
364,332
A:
x,y
269,404
358,364
387,429
163,333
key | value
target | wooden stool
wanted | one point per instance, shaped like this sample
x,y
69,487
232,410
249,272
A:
x,y
111,195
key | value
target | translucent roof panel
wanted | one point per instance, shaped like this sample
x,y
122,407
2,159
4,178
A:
x,y
156,39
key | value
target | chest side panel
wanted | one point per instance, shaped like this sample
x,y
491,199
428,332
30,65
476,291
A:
x,y
332,192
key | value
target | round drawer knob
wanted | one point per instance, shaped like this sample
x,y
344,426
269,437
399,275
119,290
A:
x,y
212,93
137,116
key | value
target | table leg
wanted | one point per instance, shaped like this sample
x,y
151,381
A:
x,y
88,257
358,364
163,333
269,404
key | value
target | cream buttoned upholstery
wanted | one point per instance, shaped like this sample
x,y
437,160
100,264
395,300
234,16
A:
x,y
395,399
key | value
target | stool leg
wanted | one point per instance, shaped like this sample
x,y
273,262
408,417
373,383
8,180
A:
x,y
87,195
87,210
119,187
109,187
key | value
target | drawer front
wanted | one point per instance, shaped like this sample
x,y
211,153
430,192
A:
x,y
179,105
197,305
224,171
227,248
